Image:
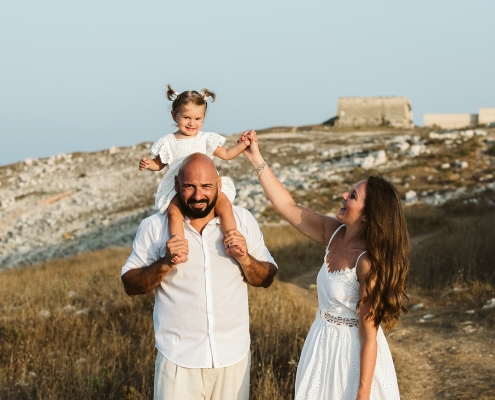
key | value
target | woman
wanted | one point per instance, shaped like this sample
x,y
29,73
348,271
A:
x,y
361,286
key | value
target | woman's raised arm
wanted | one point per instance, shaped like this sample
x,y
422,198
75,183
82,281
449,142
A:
x,y
315,226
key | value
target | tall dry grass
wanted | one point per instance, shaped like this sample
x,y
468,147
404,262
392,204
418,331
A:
x,y
67,329
294,253
454,246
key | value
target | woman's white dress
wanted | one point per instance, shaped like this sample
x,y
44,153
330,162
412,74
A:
x,y
172,151
329,364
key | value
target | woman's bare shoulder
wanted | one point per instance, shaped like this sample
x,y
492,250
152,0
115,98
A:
x,y
331,224
363,266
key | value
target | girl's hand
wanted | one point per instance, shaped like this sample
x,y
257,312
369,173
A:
x,y
144,163
250,137
244,139
252,152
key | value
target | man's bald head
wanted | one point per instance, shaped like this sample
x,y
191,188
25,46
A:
x,y
197,162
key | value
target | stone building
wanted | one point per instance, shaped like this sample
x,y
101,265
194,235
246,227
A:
x,y
450,121
485,116
374,111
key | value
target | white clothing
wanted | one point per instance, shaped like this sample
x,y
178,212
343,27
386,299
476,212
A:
x,y
329,365
173,382
201,316
172,151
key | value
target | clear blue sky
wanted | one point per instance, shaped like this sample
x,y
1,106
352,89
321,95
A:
x,y
87,75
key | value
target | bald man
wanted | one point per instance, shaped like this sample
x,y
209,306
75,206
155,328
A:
x,y
201,316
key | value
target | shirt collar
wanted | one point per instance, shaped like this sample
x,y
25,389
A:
x,y
215,220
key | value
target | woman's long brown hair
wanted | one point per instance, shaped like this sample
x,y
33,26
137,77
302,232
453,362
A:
x,y
387,245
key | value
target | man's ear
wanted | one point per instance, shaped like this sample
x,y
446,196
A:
x,y
219,182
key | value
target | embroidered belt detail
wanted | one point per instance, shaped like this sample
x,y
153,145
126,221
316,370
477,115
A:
x,y
336,320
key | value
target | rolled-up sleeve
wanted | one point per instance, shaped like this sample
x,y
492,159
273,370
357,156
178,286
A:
x,y
249,227
145,248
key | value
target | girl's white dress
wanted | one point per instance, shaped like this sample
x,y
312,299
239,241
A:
x,y
329,364
172,151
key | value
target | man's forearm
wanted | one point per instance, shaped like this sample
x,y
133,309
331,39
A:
x,y
258,273
144,280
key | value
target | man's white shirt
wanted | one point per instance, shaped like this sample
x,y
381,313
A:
x,y
201,315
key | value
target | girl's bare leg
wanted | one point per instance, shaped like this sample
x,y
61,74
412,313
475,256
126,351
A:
x,y
176,227
223,208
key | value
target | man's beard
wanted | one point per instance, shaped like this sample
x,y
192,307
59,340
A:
x,y
193,212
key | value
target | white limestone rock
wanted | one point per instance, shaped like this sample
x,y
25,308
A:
x,y
489,304
411,197
461,164
400,146
415,150
5,203
372,160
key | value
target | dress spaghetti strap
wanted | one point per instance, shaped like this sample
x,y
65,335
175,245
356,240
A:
x,y
336,230
355,266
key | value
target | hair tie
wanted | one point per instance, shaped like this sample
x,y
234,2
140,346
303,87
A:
x,y
205,96
176,94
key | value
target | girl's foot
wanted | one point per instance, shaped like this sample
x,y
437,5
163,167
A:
x,y
179,258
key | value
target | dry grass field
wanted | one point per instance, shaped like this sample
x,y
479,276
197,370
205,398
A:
x,y
68,330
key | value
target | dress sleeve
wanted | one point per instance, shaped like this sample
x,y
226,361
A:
x,y
213,141
162,148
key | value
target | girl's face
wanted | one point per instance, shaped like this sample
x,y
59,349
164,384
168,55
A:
x,y
353,205
190,119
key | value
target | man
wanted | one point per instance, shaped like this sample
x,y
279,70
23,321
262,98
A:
x,y
201,315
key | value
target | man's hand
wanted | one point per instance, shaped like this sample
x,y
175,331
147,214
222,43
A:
x,y
235,245
145,279
256,273
177,250
144,163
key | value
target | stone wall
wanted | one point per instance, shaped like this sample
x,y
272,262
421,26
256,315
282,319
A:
x,y
450,121
486,116
374,111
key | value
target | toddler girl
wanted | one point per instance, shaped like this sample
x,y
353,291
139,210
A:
x,y
188,112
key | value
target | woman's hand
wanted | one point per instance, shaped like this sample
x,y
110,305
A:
x,y
252,152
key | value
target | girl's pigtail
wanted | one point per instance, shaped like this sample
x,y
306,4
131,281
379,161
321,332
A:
x,y
207,93
171,93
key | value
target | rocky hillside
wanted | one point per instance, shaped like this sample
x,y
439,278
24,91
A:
x,y
65,204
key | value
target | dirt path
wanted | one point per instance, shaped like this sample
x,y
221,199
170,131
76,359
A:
x,y
448,356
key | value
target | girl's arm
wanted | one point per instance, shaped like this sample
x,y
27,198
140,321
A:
x,y
315,226
231,152
367,335
153,165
